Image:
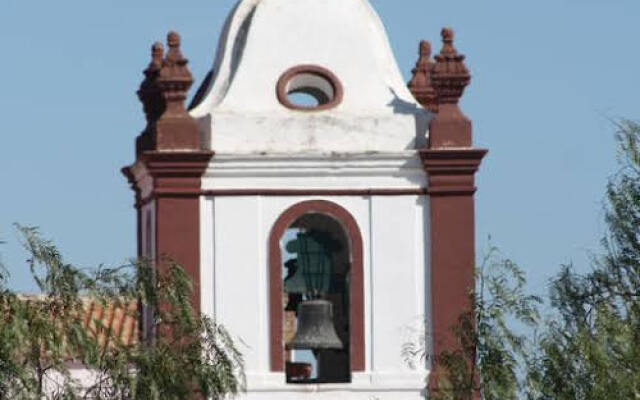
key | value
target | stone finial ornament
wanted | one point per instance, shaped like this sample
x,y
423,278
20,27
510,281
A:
x,y
420,84
450,76
157,51
163,93
148,93
173,40
450,128
174,79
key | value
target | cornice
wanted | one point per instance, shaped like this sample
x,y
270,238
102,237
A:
x,y
451,171
176,164
315,165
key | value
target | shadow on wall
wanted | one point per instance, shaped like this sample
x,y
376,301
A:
x,y
422,117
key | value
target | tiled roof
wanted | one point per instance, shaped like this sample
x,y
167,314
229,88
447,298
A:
x,y
103,321
122,322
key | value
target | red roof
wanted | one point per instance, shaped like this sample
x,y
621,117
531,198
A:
x,y
122,322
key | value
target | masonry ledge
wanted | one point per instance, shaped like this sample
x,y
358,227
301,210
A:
x,y
361,382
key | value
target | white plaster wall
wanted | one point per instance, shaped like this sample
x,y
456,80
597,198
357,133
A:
x,y
397,278
234,234
240,112
79,378
240,295
335,393
367,142
338,171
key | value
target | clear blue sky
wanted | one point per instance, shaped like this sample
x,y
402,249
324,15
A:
x,y
547,75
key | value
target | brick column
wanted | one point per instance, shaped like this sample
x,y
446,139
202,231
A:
x,y
169,152
450,162
176,193
452,223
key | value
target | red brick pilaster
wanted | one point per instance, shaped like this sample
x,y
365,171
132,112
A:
x,y
176,193
169,151
451,163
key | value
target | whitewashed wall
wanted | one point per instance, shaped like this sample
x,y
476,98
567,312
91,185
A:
x,y
367,142
234,272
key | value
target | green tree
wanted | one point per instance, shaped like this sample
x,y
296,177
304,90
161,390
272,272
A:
x,y
493,347
589,346
592,351
39,336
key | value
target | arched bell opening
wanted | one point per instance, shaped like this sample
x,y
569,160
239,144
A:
x,y
316,300
345,294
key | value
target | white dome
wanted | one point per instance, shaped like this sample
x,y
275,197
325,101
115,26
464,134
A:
x,y
241,112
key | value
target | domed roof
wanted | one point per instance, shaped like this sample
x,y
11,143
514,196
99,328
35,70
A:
x,y
335,50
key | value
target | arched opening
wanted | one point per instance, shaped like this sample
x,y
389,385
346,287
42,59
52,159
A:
x,y
345,293
331,277
309,88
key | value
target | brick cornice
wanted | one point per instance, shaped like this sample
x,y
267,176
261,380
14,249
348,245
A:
x,y
176,164
176,174
451,171
128,173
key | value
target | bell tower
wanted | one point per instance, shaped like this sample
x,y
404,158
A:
x,y
307,188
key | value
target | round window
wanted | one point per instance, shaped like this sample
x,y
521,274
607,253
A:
x,y
309,88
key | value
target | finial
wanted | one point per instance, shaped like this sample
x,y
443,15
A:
x,y
450,127
425,48
173,39
420,84
157,52
450,75
447,35
175,76
174,55
163,92
147,93
447,39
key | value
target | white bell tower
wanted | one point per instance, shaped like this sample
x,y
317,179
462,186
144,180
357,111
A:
x,y
306,125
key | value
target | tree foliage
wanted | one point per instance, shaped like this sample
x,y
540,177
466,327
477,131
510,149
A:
x,y
592,351
492,346
589,346
40,336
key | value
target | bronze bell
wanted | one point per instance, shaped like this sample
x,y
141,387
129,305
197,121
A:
x,y
315,327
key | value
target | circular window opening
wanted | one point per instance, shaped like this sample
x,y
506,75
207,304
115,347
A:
x,y
309,88
305,99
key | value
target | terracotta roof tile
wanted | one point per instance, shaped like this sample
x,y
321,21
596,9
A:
x,y
121,321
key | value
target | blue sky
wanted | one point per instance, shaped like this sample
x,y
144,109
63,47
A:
x,y
547,76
